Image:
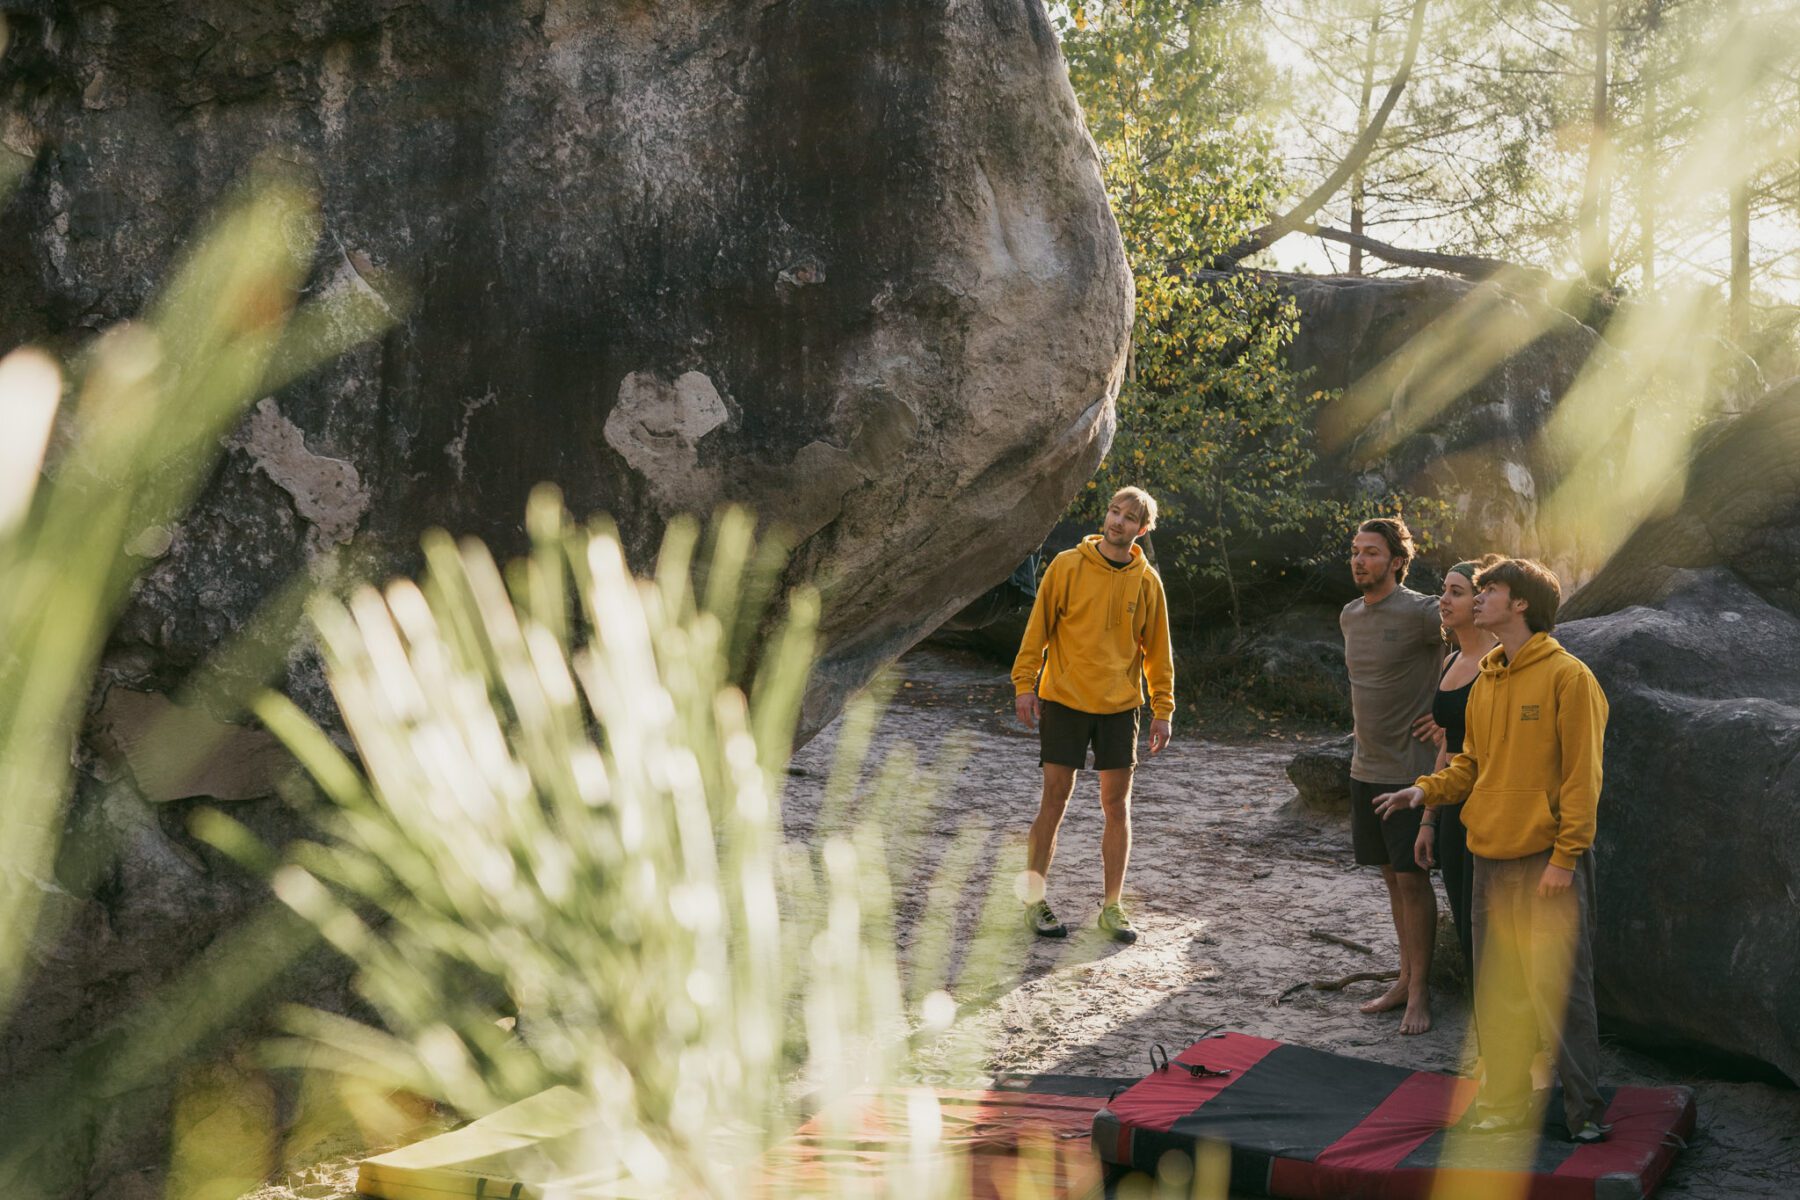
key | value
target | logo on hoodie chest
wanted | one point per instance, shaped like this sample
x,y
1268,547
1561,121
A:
x,y
1528,712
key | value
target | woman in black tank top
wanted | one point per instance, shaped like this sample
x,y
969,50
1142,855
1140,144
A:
x,y
1441,839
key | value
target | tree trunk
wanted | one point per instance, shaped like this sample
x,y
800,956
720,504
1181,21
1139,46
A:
x,y
1647,181
1740,260
1354,158
1593,231
1237,615
1738,307
1362,121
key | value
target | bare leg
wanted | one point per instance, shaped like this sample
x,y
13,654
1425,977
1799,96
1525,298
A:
x,y
1395,996
1040,847
1115,838
1418,934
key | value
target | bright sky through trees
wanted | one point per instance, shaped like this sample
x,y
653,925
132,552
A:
x,y
1488,150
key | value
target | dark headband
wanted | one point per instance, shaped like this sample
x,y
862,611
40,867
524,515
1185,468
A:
x,y
1466,570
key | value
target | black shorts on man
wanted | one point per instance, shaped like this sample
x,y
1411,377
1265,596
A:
x,y
1380,843
1064,735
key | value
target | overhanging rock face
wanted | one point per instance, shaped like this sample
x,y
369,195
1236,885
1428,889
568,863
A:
x,y
852,266
857,273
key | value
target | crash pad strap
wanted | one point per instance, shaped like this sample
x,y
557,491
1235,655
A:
x,y
1637,1115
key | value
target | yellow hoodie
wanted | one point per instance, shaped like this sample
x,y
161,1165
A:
x,y
1530,766
1096,632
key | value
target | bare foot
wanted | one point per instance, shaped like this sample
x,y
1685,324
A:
x,y
1392,999
1418,1016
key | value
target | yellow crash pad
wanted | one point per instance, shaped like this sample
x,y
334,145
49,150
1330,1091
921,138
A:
x,y
511,1154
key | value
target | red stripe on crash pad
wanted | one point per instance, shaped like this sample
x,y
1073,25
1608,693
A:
x,y
1418,1108
1161,1098
1641,1118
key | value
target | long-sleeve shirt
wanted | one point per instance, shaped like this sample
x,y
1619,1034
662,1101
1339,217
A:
x,y
1098,632
1530,766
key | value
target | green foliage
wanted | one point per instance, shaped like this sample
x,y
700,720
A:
x,y
1224,685
92,455
559,859
151,402
1211,420
560,863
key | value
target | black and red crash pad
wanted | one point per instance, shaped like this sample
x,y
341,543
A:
x,y
1302,1123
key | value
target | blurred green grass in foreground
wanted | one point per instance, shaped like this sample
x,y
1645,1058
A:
x,y
561,863
555,857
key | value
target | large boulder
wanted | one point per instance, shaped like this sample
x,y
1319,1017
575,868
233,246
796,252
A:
x,y
858,274
1693,628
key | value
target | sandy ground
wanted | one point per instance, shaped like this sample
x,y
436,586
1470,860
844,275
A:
x,y
1226,881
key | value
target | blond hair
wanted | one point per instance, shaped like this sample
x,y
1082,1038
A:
x,y
1146,505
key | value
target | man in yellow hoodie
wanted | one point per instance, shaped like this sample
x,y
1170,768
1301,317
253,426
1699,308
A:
x,y
1098,630
1530,773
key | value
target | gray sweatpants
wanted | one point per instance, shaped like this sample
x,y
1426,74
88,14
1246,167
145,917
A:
x,y
1535,983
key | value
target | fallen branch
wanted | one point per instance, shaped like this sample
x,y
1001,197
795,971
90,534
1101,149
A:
x,y
1338,985
1335,940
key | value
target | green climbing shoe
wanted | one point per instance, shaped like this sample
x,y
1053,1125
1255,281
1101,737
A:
x,y
1114,922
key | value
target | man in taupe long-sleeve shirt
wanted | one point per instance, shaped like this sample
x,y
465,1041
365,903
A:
x,y
1393,645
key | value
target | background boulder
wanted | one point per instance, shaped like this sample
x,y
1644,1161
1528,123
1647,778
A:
x,y
1321,775
1698,852
1693,629
1446,386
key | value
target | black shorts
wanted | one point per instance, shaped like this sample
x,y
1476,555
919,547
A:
x,y
1380,843
1064,735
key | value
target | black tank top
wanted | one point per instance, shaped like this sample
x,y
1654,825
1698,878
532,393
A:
x,y
1450,709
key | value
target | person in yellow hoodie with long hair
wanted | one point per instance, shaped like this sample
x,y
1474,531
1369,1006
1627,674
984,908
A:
x,y
1528,778
1098,631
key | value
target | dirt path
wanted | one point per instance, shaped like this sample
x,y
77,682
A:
x,y
1224,885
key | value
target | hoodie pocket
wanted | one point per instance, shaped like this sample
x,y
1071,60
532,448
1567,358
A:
x,y
1510,822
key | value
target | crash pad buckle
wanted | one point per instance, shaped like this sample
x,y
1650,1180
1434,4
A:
x,y
1202,1071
